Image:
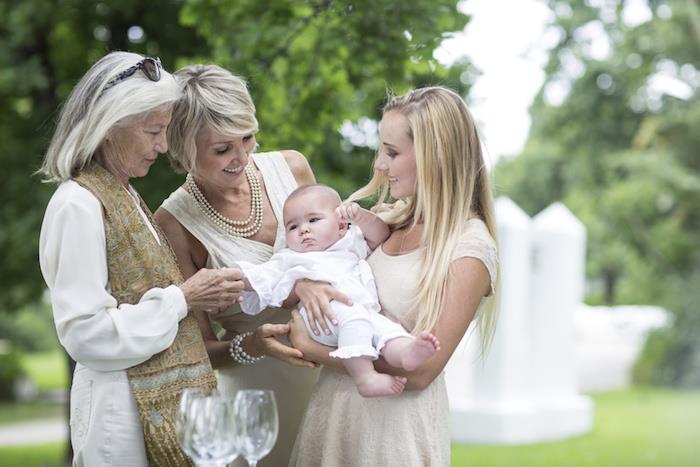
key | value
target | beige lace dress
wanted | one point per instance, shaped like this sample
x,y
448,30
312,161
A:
x,y
341,428
292,385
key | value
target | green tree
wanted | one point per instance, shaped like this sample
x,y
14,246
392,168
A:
x,y
621,152
46,47
311,66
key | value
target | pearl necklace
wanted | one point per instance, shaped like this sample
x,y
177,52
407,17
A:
x,y
233,227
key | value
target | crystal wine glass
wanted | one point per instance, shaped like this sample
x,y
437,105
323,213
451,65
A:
x,y
256,414
206,428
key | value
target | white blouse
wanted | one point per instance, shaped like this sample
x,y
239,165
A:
x,y
73,258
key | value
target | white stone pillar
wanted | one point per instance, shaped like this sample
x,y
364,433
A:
x,y
557,286
499,408
524,391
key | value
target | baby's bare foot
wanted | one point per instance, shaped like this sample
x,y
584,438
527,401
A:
x,y
422,348
380,384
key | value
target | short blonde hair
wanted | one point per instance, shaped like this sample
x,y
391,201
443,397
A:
x,y
213,98
91,111
452,182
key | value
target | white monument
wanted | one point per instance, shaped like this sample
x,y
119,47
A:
x,y
524,390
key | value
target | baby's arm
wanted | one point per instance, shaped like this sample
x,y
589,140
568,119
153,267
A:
x,y
259,283
372,226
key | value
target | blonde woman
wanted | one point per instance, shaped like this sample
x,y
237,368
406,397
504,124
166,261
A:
x,y
230,209
121,307
436,271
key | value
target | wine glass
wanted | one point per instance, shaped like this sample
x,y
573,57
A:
x,y
183,418
256,415
206,427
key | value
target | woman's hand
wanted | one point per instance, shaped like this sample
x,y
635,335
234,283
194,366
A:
x,y
298,334
264,342
312,350
316,298
212,290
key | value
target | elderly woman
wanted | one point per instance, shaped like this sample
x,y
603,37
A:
x,y
230,209
119,300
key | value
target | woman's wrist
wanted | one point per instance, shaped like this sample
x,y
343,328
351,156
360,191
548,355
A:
x,y
300,345
319,353
240,354
251,346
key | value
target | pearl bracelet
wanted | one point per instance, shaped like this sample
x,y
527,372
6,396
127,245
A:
x,y
238,354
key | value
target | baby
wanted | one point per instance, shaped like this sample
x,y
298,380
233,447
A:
x,y
327,241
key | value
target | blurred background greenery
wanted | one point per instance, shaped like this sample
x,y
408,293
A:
x,y
620,154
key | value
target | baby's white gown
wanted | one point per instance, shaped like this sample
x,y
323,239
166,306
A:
x,y
361,329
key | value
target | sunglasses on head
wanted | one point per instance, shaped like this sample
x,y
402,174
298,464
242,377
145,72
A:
x,y
150,66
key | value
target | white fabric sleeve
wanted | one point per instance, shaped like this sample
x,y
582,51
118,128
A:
x,y
92,328
359,244
263,279
476,242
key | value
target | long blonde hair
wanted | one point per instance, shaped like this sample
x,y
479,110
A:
x,y
452,183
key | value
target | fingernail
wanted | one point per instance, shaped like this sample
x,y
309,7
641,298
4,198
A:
x,y
335,321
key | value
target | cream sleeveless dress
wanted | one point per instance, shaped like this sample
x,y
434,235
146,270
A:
x,y
341,428
292,385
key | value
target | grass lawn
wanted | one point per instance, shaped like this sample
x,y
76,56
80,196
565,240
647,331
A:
x,y
43,455
48,370
636,427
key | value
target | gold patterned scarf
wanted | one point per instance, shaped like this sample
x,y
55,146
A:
x,y
137,263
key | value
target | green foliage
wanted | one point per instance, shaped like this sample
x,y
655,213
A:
x,y
310,65
649,367
47,370
623,158
671,356
10,371
46,47
30,328
313,65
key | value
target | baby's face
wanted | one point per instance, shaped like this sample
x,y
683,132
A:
x,y
311,223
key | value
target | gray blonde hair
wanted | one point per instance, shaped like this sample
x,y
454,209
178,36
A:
x,y
213,98
90,112
452,182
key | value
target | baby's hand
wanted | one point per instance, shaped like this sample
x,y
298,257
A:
x,y
348,212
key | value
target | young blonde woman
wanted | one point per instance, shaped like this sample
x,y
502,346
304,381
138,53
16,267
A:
x,y
436,272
